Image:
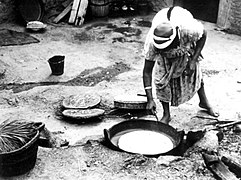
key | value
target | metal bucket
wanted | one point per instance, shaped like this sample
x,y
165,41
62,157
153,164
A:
x,y
57,64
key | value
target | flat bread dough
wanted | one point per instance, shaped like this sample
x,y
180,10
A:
x,y
81,101
83,113
145,142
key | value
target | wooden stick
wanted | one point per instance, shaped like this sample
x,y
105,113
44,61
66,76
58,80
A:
x,y
63,13
82,11
232,165
74,11
229,124
206,117
218,168
67,2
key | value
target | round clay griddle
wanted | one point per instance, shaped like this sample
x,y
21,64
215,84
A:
x,y
114,135
130,102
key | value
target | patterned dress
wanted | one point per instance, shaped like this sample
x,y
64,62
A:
x,y
172,83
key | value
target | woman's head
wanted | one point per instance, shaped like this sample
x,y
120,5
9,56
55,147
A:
x,y
163,35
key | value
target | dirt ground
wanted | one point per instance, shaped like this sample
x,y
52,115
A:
x,y
104,56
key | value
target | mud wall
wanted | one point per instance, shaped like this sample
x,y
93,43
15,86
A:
x,y
235,16
229,16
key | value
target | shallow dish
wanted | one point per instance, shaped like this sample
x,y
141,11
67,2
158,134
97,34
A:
x,y
36,25
83,113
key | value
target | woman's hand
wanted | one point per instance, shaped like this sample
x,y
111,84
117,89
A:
x,y
151,106
191,67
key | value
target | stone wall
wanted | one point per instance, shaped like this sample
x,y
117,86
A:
x,y
229,16
235,17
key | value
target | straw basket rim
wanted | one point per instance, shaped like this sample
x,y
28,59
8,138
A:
x,y
19,150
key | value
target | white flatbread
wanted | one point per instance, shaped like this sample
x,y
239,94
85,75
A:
x,y
145,142
83,113
81,101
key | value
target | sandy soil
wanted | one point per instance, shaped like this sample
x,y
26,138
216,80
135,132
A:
x,y
105,57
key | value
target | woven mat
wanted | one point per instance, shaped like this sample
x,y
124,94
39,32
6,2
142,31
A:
x,y
10,38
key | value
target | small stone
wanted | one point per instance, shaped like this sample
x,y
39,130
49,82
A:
x,y
237,128
167,160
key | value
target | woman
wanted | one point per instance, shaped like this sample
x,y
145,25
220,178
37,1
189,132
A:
x,y
174,42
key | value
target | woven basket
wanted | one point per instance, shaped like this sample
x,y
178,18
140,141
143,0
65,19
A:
x,y
19,161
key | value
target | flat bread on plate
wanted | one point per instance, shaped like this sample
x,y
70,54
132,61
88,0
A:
x,y
83,113
81,101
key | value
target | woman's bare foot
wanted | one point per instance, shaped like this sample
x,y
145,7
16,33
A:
x,y
209,109
166,119
204,103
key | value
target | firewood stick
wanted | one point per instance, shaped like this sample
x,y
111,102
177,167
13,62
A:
x,y
218,168
233,166
229,124
63,14
66,3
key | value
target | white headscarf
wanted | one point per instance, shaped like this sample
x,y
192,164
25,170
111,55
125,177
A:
x,y
164,27
179,17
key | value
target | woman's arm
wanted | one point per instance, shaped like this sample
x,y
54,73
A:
x,y
147,82
199,46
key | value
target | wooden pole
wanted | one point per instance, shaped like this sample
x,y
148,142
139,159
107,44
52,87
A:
x,y
74,11
63,13
81,12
